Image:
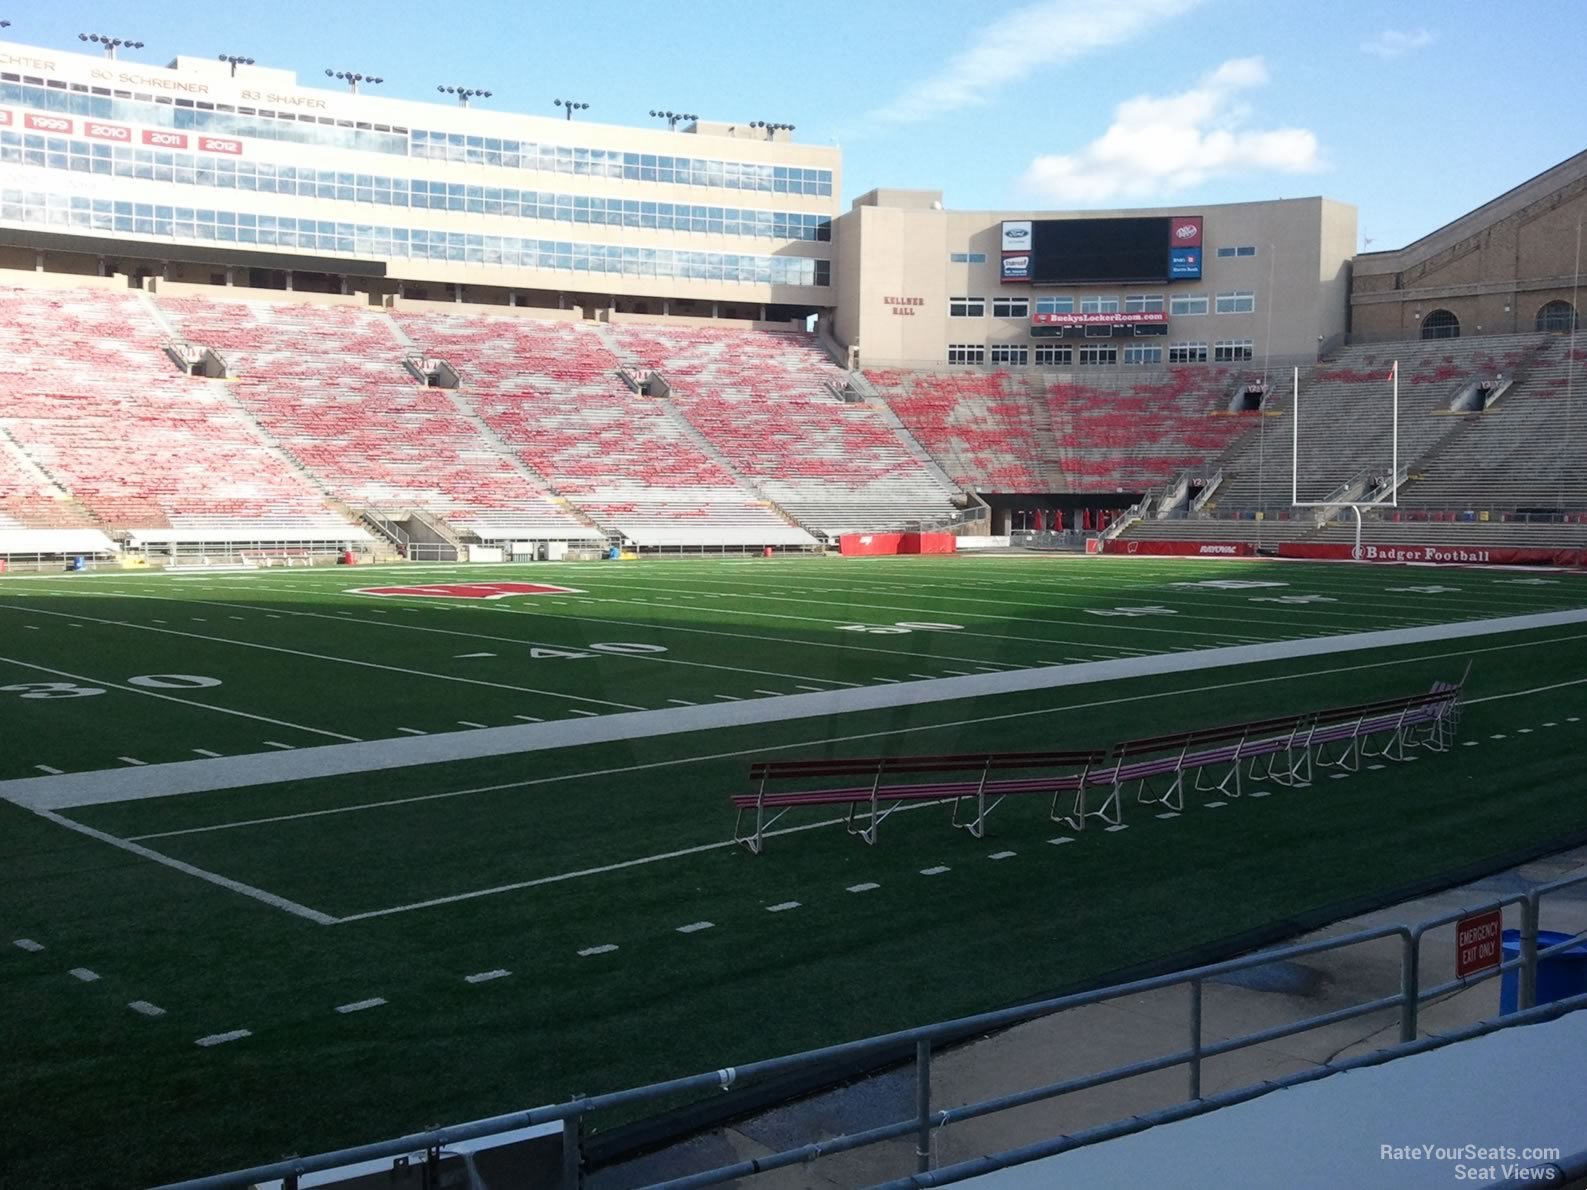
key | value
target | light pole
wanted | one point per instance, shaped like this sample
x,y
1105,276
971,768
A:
x,y
234,61
570,106
110,44
351,78
672,118
771,129
464,94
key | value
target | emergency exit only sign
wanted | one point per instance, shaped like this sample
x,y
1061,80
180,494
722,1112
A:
x,y
1477,943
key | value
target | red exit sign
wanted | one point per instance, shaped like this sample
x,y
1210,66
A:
x,y
1477,943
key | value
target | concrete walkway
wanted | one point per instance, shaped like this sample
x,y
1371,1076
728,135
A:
x,y
1086,1040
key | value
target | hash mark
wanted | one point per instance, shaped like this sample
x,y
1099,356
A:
x,y
606,949
528,718
812,689
859,888
28,945
728,697
1338,776
84,974
784,907
936,871
360,1005
694,927
486,976
468,723
276,744
44,768
206,752
1061,839
1003,855
772,693
1169,814
412,731
1259,793
222,1038
133,760
682,702
1119,827
146,1008
590,714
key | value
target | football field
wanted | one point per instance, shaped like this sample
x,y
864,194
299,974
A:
x,y
295,859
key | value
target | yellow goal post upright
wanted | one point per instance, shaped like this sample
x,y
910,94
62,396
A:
x,y
1392,499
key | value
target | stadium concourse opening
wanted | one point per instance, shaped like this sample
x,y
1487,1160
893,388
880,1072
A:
x,y
426,529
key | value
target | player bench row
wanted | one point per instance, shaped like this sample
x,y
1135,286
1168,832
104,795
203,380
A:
x,y
1086,784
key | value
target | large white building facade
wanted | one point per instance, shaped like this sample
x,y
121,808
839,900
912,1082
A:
x,y
196,173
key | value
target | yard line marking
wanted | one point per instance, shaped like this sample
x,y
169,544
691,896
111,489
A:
x,y
360,1005
412,731
113,786
859,888
206,752
487,976
416,673
222,1038
683,702
225,882
44,768
936,871
206,706
590,950
132,760
694,927
28,945
147,1009
784,906
468,723
1003,855
528,718
84,974
283,747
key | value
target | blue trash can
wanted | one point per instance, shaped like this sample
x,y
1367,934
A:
x,y
1559,975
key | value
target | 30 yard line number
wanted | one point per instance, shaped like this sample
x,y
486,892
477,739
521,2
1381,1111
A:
x,y
42,690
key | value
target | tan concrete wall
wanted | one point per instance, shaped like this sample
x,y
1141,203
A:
x,y
1300,276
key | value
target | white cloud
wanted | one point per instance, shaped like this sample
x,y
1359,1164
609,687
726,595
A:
x,y
1395,43
1158,145
1045,33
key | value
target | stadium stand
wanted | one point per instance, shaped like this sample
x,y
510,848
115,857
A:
x,y
327,383
94,409
983,429
760,399
551,392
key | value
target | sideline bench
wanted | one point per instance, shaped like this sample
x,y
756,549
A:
x,y
1216,760
874,787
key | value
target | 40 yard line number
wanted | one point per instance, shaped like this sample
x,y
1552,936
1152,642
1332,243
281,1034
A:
x,y
900,628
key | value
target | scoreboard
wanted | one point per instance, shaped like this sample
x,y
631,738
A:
x,y
1087,251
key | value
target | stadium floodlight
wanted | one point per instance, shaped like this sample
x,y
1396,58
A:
x,y
110,44
772,128
672,118
464,94
352,78
570,106
235,61
5,24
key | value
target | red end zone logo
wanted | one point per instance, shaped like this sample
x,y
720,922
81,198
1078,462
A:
x,y
469,590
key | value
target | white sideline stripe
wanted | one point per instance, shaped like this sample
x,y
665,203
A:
x,y
206,752
426,797
190,776
28,945
785,906
186,702
84,974
589,950
859,888
694,927
147,1009
222,1038
235,886
360,1005
487,976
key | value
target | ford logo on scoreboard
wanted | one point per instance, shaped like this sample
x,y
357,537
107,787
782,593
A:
x,y
1184,264
1016,235
1016,266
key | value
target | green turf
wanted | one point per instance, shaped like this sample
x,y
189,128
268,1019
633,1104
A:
x,y
99,1095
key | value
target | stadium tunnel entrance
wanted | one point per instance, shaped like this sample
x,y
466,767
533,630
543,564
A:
x,y
1037,512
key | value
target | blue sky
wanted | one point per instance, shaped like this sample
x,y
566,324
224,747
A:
x,y
1415,113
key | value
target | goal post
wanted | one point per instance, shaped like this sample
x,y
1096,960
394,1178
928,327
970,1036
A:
x,y
1393,498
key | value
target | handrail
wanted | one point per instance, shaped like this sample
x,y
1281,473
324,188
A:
x,y
921,1041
